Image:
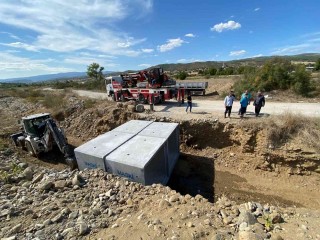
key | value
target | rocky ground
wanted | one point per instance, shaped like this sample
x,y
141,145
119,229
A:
x,y
228,184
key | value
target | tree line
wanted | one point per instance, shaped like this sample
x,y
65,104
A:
x,y
276,73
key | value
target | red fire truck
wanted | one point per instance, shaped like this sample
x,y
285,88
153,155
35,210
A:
x,y
147,86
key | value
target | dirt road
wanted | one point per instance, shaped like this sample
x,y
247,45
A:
x,y
215,108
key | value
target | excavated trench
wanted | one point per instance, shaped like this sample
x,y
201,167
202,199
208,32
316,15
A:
x,y
207,148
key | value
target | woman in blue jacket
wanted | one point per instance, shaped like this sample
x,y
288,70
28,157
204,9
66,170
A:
x,y
244,102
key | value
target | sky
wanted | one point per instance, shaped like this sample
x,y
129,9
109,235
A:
x,y
54,36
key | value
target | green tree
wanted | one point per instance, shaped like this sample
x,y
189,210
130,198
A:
x,y
317,66
302,80
182,75
94,70
212,71
274,75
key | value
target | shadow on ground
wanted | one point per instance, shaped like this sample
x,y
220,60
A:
x,y
193,175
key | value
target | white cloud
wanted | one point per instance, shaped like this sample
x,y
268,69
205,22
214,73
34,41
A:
x,y
191,35
237,53
11,35
60,25
230,25
85,61
21,45
94,55
144,65
171,44
292,49
184,60
13,66
258,55
256,9
147,50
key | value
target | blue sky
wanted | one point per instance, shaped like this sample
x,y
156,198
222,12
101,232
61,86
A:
x,y
52,36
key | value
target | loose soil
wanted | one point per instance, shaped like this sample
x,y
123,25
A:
x,y
218,157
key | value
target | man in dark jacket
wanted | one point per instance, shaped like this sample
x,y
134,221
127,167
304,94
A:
x,y
259,102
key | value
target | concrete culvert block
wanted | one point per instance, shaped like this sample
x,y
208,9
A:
x,y
139,108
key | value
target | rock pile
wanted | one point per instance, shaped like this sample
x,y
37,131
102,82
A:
x,y
39,203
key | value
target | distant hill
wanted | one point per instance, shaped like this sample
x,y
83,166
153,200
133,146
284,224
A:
x,y
43,78
257,61
47,77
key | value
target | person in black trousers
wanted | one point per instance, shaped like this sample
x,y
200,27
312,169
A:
x,y
189,102
258,103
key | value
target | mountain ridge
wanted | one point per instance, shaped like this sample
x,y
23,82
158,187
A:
x,y
255,61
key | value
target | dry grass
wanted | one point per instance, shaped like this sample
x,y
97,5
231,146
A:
x,y
288,127
54,101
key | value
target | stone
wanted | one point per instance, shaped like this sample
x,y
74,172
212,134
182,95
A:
x,y
275,217
96,212
38,178
174,198
248,217
60,184
28,173
10,238
164,203
190,224
28,212
46,186
47,222
83,229
78,180
276,237
249,236
73,215
57,218
39,233
15,229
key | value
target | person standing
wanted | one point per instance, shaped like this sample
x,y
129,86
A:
x,y
246,94
244,102
189,102
228,101
258,103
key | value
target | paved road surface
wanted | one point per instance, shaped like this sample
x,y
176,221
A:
x,y
216,108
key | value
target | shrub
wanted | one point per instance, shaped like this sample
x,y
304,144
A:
x,y
54,101
182,75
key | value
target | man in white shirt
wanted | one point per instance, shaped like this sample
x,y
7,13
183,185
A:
x,y
228,101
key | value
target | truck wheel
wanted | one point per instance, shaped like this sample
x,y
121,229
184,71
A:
x,y
113,97
30,149
204,93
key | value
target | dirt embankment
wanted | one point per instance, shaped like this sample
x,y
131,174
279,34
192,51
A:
x,y
217,159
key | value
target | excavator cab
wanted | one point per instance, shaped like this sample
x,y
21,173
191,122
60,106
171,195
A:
x,y
39,134
35,124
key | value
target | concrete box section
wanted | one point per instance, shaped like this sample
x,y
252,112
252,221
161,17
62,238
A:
x,y
133,126
170,132
142,159
91,154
